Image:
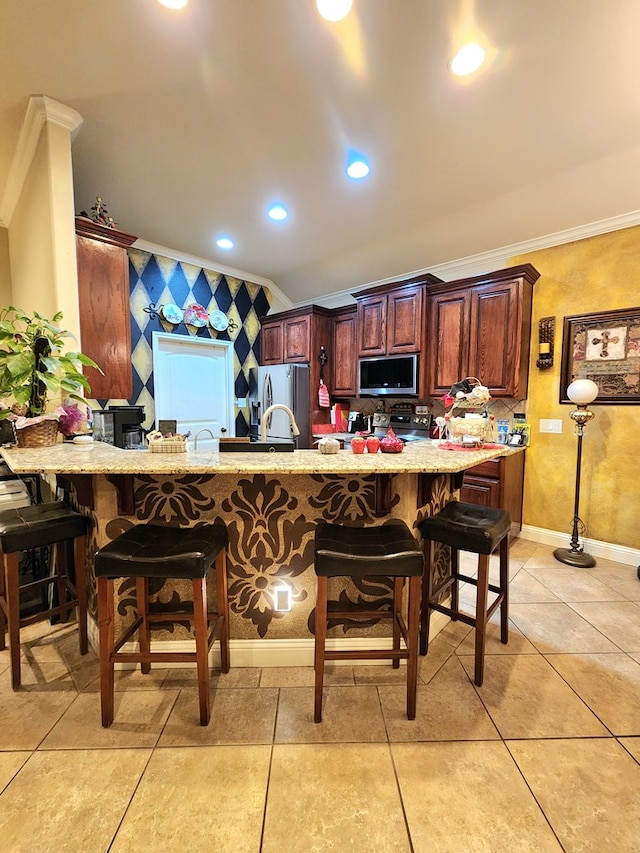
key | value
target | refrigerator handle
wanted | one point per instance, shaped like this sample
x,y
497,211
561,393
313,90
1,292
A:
x,y
267,397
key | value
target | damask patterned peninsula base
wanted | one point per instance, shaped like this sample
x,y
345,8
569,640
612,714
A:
x,y
270,503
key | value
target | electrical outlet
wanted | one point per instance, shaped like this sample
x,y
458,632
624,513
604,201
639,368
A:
x,y
553,425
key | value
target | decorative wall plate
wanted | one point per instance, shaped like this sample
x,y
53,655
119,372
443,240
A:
x,y
219,321
172,314
196,315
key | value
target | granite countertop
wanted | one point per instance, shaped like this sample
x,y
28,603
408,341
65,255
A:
x,y
67,458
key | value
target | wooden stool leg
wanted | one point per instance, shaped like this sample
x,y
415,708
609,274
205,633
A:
x,y
455,586
223,608
107,632
200,629
3,603
413,637
482,595
144,631
320,641
427,586
398,586
504,586
80,565
60,572
12,592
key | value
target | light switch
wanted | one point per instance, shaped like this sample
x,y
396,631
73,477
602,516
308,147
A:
x,y
553,425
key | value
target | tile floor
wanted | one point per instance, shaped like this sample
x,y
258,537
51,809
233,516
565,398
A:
x,y
544,756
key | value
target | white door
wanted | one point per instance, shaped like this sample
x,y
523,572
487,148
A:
x,y
193,385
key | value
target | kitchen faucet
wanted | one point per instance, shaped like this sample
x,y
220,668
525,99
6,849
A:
x,y
263,424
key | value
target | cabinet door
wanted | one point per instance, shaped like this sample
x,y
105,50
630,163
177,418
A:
x,y
372,325
105,323
271,343
481,491
404,320
495,335
448,340
297,339
344,356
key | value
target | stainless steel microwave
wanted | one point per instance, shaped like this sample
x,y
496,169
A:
x,y
395,375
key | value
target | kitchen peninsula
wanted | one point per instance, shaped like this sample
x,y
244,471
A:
x,y
270,503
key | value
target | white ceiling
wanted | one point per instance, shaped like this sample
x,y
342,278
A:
x,y
195,120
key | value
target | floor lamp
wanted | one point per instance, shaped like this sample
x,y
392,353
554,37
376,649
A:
x,y
581,392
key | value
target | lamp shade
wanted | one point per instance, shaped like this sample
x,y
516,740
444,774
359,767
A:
x,y
582,391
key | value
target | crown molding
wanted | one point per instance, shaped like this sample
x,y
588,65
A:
x,y
40,109
485,262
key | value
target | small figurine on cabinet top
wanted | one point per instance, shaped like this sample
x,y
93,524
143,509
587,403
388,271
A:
x,y
100,214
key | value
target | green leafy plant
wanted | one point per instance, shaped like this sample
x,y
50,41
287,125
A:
x,y
34,370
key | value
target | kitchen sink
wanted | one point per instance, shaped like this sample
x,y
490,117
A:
x,y
256,446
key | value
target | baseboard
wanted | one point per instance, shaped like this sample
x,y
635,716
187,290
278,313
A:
x,y
606,550
269,653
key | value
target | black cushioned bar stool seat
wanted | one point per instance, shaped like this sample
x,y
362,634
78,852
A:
x,y
391,551
148,551
39,526
479,529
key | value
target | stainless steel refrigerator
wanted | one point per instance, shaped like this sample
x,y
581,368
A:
x,y
287,384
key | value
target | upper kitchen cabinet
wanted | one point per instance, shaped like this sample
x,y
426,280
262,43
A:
x,y
390,317
103,298
343,356
294,336
481,326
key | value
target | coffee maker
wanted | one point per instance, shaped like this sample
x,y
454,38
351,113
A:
x,y
120,426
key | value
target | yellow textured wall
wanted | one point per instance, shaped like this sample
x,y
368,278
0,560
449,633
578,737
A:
x,y
588,276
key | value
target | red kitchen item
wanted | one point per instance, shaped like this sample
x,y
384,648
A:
x,y
391,443
373,444
323,396
357,444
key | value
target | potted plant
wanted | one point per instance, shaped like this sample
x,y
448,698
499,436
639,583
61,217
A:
x,y
36,375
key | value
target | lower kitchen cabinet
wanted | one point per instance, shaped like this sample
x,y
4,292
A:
x,y
497,483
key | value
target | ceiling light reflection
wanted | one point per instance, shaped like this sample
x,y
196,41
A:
x,y
174,4
357,166
333,10
277,212
467,60
224,243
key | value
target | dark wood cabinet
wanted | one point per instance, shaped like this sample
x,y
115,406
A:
x,y
343,356
103,298
296,336
271,342
481,327
390,319
448,348
497,483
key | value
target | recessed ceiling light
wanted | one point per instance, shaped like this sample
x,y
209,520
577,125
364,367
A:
x,y
333,10
467,60
174,4
224,243
357,167
277,212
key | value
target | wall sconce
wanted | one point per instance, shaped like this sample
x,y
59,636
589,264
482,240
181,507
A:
x,y
581,392
281,598
546,329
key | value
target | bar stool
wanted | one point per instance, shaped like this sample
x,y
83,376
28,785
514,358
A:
x,y
389,550
479,529
148,551
38,526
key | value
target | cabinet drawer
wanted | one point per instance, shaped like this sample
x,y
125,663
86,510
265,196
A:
x,y
491,468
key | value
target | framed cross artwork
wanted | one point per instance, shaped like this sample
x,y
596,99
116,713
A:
x,y
603,347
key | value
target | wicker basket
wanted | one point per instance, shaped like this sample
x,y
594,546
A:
x,y
479,428
175,444
42,434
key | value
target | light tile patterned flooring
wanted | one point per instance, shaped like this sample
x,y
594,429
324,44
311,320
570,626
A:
x,y
544,756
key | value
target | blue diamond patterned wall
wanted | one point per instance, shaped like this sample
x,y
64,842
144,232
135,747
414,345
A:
x,y
155,280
